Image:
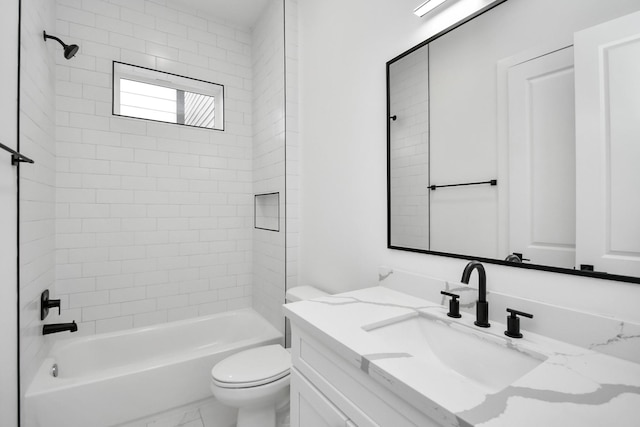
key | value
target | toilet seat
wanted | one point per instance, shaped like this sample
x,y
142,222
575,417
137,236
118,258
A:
x,y
252,368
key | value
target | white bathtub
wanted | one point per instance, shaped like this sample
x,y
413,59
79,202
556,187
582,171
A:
x,y
110,379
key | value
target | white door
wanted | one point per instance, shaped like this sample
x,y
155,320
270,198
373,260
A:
x,y
607,60
310,408
541,146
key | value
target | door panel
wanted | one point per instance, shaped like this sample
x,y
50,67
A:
x,y
608,145
542,159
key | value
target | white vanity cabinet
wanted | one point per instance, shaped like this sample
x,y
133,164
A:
x,y
310,408
327,390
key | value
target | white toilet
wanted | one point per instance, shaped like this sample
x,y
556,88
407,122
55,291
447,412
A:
x,y
256,381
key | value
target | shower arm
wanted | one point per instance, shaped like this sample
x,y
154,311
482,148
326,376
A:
x,y
46,36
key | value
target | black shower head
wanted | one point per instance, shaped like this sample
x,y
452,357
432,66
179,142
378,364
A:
x,y
69,50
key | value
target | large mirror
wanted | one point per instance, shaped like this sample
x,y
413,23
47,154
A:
x,y
514,139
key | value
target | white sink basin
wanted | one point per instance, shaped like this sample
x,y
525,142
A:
x,y
489,361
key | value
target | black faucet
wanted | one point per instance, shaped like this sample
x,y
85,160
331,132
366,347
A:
x,y
59,327
482,306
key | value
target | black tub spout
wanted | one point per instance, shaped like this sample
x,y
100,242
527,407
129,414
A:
x,y
59,327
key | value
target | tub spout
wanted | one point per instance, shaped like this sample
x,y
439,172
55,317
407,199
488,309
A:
x,y
59,327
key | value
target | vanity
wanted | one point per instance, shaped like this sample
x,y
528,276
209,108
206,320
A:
x,y
381,357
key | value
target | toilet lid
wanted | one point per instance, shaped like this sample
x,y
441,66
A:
x,y
253,367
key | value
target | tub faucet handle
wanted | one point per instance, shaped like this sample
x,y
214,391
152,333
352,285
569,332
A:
x,y
46,304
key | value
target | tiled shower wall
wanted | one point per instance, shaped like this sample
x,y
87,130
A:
x,y
37,181
292,217
269,160
410,151
154,221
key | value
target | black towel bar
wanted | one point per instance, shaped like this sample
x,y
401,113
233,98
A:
x,y
15,156
492,182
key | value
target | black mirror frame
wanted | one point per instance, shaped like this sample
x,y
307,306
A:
x,y
389,118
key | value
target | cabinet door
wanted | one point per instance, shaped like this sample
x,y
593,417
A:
x,y
310,408
607,74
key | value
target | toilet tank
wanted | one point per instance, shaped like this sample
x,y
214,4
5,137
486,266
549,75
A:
x,y
302,293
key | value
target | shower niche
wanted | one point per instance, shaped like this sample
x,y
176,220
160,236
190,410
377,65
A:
x,y
266,209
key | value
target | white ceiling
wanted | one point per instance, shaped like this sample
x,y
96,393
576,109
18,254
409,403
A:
x,y
241,12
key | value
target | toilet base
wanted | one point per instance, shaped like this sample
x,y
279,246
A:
x,y
257,417
257,406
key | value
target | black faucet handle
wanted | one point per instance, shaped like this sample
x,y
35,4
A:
x,y
53,303
519,313
46,304
454,305
513,323
449,294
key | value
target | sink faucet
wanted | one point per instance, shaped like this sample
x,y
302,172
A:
x,y
482,306
513,258
59,327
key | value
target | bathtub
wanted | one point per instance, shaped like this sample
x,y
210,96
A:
x,y
110,379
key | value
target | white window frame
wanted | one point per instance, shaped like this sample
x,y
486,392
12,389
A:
x,y
125,71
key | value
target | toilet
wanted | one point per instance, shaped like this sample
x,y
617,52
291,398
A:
x,y
256,381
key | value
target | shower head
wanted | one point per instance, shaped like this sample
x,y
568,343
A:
x,y
69,50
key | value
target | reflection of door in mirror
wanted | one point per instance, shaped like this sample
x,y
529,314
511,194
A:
x,y
409,150
541,147
608,146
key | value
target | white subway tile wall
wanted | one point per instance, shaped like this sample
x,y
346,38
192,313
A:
x,y
292,217
37,181
153,220
269,159
133,222
410,151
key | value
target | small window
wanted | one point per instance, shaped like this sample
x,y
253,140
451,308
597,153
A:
x,y
153,95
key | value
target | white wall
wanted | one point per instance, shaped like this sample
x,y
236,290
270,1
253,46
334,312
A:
x,y
8,252
154,221
343,49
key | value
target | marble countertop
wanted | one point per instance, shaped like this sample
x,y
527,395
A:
x,y
571,386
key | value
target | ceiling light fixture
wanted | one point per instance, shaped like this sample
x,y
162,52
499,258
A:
x,y
427,7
